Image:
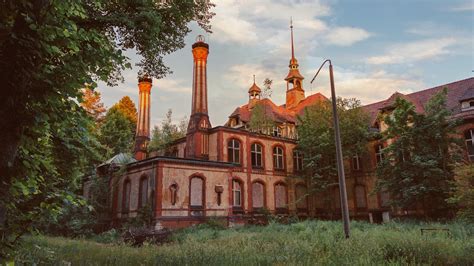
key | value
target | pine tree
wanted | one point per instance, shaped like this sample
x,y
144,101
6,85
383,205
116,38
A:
x,y
91,102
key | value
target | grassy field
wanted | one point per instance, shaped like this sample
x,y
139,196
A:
x,y
303,243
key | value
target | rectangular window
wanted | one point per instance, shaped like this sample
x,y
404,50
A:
x,y
356,162
379,153
237,192
297,161
256,155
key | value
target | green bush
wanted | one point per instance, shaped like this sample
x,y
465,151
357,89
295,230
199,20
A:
x,y
302,243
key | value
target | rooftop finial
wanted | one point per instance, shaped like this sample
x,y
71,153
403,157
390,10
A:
x,y
292,47
253,79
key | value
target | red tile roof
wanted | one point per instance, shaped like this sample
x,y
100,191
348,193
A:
x,y
279,113
456,92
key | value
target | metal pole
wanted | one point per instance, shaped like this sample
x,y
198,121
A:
x,y
340,162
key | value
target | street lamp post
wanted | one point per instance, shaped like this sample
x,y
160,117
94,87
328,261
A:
x,y
337,139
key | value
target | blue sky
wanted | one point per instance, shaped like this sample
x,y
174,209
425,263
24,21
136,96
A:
x,y
377,48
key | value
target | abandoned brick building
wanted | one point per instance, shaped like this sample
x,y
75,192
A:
x,y
232,173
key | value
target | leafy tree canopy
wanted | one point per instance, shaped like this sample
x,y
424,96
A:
x,y
163,136
116,133
91,102
418,164
48,50
316,138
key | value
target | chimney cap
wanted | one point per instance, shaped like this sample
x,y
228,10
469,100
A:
x,y
200,42
145,78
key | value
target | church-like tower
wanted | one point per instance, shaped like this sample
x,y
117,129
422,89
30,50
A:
x,y
295,93
142,136
197,137
254,94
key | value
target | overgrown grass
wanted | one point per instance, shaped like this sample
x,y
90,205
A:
x,y
303,243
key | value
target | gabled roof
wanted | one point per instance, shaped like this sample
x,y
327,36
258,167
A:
x,y
456,91
279,113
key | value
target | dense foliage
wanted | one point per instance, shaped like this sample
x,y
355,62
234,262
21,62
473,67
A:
x,y
304,243
117,130
50,49
463,194
418,165
91,102
316,139
162,137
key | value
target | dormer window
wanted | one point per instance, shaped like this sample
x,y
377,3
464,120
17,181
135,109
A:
x,y
467,100
277,131
467,105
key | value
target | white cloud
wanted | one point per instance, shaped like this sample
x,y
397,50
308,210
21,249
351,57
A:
x,y
415,51
367,87
346,36
468,6
251,22
172,85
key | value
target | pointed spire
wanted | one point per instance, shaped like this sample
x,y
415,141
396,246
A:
x,y
292,46
254,79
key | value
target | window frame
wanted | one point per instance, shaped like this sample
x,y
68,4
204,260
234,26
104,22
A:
x,y
356,162
379,155
298,161
141,192
470,131
126,197
233,150
264,194
281,210
255,154
277,156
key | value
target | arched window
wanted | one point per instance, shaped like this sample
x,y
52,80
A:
x,y
127,186
281,198
278,158
379,156
258,195
301,194
237,194
196,194
297,161
233,151
361,197
469,136
173,194
256,154
143,191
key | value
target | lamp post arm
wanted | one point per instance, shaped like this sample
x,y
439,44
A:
x,y
317,72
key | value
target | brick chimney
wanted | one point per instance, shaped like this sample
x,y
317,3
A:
x,y
142,136
197,137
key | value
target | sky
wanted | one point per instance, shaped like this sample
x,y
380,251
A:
x,y
377,48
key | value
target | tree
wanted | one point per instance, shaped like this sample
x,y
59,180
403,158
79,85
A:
x,y
267,88
127,107
91,102
169,132
418,165
116,133
48,51
316,139
463,194
260,121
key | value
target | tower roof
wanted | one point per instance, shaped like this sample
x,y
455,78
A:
x,y
254,87
294,73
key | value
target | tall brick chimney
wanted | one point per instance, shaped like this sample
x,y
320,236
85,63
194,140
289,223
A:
x,y
197,137
142,136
